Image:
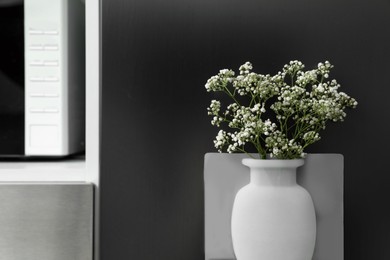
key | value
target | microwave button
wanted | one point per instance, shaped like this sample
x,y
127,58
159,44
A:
x,y
51,79
36,79
35,47
35,32
36,110
51,47
36,63
51,32
50,110
50,63
44,135
37,95
51,95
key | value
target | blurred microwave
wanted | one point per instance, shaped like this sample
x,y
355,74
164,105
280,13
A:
x,y
42,77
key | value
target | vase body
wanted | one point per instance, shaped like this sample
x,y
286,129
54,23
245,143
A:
x,y
273,217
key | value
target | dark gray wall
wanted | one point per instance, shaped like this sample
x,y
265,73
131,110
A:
x,y
157,56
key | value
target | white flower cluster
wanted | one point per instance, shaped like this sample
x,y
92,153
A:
x,y
293,67
213,110
300,102
221,140
282,147
311,137
250,83
219,82
245,68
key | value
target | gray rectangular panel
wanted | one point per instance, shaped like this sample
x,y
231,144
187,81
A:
x,y
322,176
46,221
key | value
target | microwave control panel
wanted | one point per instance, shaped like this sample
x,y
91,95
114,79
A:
x,y
48,41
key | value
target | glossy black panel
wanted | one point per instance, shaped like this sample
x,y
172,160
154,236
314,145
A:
x,y
11,78
157,55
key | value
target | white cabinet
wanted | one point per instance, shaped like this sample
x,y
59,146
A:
x,y
81,169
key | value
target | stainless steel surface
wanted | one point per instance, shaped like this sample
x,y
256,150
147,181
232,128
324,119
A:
x,y
46,221
322,176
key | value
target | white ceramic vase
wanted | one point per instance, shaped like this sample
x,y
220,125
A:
x,y
273,217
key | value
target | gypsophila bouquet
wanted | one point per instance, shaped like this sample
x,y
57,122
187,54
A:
x,y
281,114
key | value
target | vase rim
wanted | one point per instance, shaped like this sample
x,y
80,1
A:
x,y
273,163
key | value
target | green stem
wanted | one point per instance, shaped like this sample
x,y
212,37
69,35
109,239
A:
x,y
231,95
253,99
259,148
242,150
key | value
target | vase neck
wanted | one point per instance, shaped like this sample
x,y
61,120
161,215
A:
x,y
273,176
